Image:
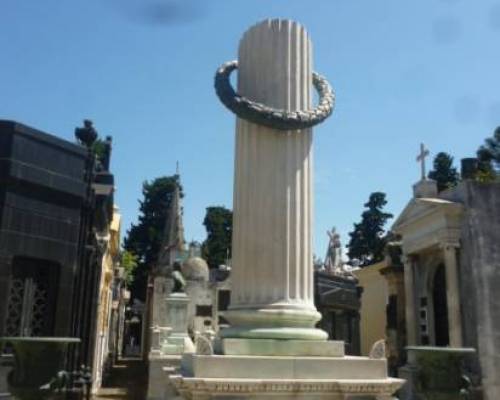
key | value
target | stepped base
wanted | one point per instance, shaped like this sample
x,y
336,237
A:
x,y
257,377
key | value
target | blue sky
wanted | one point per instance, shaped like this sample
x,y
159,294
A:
x,y
404,72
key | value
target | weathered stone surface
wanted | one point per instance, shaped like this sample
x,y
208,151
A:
x,y
458,230
480,264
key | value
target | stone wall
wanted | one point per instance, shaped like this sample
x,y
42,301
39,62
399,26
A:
x,y
480,278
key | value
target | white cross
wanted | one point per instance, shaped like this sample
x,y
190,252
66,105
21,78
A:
x,y
421,158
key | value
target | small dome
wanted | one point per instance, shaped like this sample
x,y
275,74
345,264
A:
x,y
195,269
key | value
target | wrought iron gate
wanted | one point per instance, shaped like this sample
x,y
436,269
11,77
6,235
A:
x,y
31,302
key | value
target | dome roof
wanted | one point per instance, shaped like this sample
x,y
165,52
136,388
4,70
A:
x,y
195,268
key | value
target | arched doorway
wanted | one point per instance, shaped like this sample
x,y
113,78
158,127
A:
x,y
441,331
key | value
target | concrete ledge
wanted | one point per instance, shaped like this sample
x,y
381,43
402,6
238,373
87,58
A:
x,y
272,347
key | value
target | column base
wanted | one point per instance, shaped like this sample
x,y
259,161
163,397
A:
x,y
311,334
274,322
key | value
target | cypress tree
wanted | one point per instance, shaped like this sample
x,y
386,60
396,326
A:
x,y
367,241
444,173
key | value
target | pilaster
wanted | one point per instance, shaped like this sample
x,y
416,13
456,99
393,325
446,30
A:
x,y
411,316
453,293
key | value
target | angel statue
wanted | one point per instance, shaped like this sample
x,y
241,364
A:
x,y
333,259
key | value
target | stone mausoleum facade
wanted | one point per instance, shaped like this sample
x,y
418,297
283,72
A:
x,y
59,244
450,243
41,199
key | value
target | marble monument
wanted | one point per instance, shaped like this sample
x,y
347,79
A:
x,y
272,347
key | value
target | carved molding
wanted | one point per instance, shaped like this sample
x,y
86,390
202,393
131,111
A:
x,y
267,116
188,386
448,245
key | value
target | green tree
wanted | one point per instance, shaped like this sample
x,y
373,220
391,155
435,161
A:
x,y
144,238
444,173
219,225
99,148
367,241
489,157
129,263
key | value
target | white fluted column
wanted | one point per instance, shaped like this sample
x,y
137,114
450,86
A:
x,y
272,274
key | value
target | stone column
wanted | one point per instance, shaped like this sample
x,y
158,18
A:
x,y
272,275
411,315
453,295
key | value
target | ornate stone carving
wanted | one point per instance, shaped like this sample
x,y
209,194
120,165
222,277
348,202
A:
x,y
204,343
378,349
271,117
223,386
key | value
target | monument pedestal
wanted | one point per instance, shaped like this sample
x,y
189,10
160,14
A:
x,y
282,369
284,377
171,342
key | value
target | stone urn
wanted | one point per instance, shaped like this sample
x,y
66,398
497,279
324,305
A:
x,y
438,372
37,363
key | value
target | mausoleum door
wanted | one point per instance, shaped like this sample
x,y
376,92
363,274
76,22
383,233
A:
x,y
441,327
32,298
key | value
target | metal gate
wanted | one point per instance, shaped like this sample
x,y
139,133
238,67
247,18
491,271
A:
x,y
31,302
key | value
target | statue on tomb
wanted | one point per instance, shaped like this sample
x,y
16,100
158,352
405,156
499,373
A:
x,y
334,264
86,135
333,259
179,281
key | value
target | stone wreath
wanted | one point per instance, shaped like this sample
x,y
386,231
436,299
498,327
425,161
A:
x,y
271,117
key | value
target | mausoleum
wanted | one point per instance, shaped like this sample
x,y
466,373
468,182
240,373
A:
x,y
450,253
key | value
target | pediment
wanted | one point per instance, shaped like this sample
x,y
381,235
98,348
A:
x,y
419,208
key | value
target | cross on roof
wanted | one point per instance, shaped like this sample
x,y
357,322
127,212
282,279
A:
x,y
421,158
